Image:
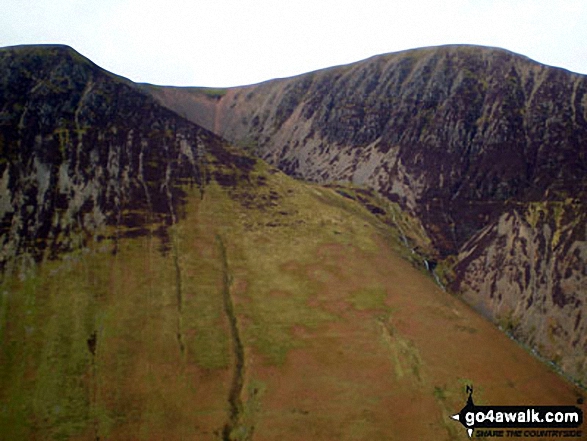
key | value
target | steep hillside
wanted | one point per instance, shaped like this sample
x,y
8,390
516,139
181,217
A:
x,y
161,284
485,148
81,149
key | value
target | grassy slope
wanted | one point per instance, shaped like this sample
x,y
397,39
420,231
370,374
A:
x,y
276,311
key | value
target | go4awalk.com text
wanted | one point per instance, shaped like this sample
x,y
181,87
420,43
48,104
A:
x,y
520,421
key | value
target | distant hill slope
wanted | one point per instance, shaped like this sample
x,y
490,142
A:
x,y
485,148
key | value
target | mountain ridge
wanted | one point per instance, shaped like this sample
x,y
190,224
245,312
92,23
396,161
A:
x,y
462,138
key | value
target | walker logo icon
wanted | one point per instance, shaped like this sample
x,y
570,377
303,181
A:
x,y
485,420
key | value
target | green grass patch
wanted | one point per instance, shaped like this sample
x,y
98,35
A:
x,y
369,298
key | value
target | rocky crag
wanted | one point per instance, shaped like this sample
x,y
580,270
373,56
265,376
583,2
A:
x,y
485,148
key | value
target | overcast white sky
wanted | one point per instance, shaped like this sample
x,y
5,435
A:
x,y
237,42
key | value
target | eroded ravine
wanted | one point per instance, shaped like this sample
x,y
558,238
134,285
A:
x,y
232,429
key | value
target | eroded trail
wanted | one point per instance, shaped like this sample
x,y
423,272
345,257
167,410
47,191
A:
x,y
179,297
233,429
